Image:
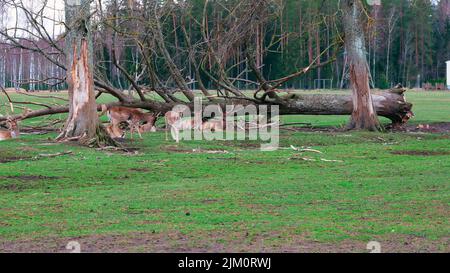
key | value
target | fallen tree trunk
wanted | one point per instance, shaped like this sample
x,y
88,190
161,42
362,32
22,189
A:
x,y
390,104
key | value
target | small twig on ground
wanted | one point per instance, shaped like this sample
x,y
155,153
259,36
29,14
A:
x,y
326,160
302,150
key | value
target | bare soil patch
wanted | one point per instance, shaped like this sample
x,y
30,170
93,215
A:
x,y
436,128
140,170
421,153
10,159
24,182
209,243
26,178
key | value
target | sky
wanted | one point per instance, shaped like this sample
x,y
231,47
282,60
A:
x,y
53,9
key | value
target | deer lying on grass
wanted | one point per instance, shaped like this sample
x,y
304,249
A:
x,y
12,132
215,125
137,120
115,131
202,124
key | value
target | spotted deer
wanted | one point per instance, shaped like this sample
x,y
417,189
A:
x,y
115,131
12,132
137,120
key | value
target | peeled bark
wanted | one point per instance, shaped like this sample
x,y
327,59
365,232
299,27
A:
x,y
82,123
364,117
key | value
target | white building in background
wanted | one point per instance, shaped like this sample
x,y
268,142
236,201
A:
x,y
448,74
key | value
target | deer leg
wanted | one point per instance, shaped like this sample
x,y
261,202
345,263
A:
x,y
139,133
175,134
169,128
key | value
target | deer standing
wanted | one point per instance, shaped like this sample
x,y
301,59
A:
x,y
171,118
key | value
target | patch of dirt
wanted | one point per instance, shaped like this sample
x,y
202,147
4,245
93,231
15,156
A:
x,y
314,129
10,159
26,178
244,144
28,149
436,128
440,127
421,153
140,170
24,182
214,242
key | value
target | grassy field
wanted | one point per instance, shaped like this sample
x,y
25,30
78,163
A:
x,y
229,196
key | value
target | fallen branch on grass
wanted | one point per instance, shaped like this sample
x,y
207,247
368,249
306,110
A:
x,y
53,155
303,150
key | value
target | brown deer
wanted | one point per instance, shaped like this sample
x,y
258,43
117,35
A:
x,y
12,132
137,120
115,131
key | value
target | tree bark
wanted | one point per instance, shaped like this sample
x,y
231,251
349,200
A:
x,y
364,117
390,104
82,123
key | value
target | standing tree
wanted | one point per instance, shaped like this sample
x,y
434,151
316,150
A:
x,y
364,116
82,123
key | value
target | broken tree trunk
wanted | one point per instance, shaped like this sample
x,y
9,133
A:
x,y
82,123
364,116
391,104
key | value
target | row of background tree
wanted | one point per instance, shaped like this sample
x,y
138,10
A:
x,y
408,42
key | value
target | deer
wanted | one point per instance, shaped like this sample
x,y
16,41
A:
x,y
171,118
202,124
137,120
215,125
114,131
176,124
12,132
182,125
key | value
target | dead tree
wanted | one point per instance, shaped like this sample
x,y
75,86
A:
x,y
82,123
363,115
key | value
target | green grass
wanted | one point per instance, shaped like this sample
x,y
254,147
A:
x,y
372,194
